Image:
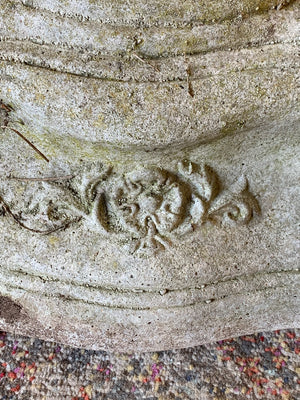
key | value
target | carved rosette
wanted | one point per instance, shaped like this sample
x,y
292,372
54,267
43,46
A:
x,y
154,205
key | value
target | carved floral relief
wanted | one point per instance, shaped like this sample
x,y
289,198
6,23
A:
x,y
150,207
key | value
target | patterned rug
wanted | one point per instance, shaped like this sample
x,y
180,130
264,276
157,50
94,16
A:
x,y
261,366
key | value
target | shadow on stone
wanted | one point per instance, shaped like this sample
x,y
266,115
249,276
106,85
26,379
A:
x,y
9,310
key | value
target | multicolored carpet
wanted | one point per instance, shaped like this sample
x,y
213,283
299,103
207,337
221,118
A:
x,y
261,366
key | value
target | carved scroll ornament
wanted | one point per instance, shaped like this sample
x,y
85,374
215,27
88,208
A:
x,y
148,207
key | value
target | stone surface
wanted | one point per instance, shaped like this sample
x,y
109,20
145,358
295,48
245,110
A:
x,y
149,170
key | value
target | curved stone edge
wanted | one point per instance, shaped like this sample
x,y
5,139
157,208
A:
x,y
141,13
143,300
44,60
43,35
129,111
59,319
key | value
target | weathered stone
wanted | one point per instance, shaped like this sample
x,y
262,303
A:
x,y
149,170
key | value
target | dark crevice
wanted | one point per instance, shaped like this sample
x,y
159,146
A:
x,y
10,311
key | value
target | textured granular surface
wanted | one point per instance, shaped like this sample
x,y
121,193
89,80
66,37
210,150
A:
x,y
261,366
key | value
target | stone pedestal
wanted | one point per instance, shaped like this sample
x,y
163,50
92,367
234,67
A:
x,y
149,170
